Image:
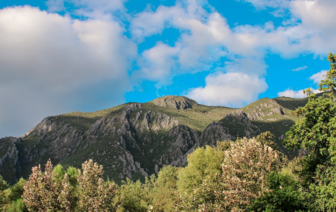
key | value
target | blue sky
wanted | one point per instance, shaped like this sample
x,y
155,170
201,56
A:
x,y
58,56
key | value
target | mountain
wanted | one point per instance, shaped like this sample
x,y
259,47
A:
x,y
135,140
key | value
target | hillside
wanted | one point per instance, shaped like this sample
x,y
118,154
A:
x,y
135,140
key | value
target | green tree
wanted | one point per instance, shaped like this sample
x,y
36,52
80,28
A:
x,y
285,195
135,196
164,188
314,133
202,163
59,173
17,206
16,190
267,139
3,187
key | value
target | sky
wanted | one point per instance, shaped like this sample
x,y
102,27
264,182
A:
x,y
59,56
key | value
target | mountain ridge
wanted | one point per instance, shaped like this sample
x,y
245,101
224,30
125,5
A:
x,y
135,140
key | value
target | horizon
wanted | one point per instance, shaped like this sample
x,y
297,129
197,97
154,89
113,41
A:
x,y
61,56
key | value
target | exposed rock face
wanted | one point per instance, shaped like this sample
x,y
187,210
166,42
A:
x,y
9,159
135,140
176,102
266,111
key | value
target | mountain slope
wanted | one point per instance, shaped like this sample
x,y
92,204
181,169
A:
x,y
135,140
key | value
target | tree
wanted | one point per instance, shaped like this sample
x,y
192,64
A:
x,y
202,163
285,195
41,193
135,196
17,190
314,133
267,139
245,166
164,188
17,206
94,194
3,187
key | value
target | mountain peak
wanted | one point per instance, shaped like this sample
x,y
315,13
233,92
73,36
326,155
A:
x,y
177,102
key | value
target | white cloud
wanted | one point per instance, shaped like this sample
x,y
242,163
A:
x,y
97,9
300,68
206,37
261,4
292,93
157,64
229,89
296,94
319,76
52,64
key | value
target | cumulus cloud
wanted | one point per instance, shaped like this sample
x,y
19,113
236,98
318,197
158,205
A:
x,y
296,94
52,64
157,64
319,76
292,93
230,89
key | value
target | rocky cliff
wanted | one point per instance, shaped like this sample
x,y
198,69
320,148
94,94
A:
x,y
135,140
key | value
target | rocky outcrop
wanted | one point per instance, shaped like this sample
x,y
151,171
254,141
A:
x,y
266,111
9,159
176,102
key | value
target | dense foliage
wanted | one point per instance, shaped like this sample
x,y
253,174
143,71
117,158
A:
x,y
242,175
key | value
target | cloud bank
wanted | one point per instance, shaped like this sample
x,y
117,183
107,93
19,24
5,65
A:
x,y
52,64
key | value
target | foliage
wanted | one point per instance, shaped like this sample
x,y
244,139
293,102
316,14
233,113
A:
x,y
17,206
285,195
16,191
58,173
324,188
267,139
314,133
134,196
3,186
42,194
202,163
164,188
243,179
94,194
245,168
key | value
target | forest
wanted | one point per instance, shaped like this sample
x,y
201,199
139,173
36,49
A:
x,y
248,174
